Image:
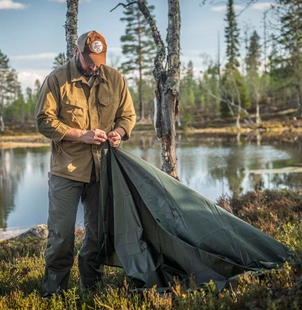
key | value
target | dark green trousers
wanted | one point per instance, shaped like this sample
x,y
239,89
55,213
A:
x,y
64,196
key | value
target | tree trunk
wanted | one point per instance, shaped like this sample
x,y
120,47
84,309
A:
x,y
140,70
71,26
167,78
140,91
1,123
257,112
299,89
170,92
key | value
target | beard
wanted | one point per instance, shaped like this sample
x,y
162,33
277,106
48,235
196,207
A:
x,y
86,72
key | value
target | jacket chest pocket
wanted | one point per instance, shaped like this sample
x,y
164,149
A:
x,y
74,113
107,107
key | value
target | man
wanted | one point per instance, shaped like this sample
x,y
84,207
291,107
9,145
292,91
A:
x,y
81,105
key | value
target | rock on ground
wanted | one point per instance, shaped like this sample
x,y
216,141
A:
x,y
39,231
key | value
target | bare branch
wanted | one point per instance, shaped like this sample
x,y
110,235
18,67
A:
x,y
161,53
124,5
229,103
248,4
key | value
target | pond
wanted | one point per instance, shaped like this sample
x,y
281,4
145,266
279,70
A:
x,y
212,167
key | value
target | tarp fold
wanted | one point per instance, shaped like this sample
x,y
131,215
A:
x,y
156,228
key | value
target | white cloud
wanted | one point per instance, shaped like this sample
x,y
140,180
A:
x,y
11,5
64,1
256,6
262,6
222,8
60,1
238,7
41,56
219,8
27,78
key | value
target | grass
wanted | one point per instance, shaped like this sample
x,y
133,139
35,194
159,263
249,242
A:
x,y
276,212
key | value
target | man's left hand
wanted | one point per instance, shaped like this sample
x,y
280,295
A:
x,y
114,138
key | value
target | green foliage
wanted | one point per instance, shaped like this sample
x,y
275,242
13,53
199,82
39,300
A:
x,y
269,210
233,92
205,95
233,89
188,90
59,60
232,37
137,43
211,88
286,55
253,57
276,212
8,81
139,49
147,92
253,80
15,109
9,86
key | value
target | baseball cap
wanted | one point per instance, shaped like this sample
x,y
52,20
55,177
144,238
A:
x,y
92,45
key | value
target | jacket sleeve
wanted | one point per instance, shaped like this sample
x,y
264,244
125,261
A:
x,y
125,115
47,110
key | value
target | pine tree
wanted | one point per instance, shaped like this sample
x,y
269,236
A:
x,y
253,57
9,86
232,37
290,13
59,61
252,61
139,48
234,92
211,88
187,93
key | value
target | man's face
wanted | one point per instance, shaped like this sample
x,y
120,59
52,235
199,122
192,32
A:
x,y
89,68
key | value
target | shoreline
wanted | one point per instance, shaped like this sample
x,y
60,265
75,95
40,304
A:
x,y
11,233
284,133
32,140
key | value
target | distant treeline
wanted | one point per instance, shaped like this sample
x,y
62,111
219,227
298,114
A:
x,y
248,86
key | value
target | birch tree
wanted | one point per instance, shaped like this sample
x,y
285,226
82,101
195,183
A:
x,y
71,26
167,77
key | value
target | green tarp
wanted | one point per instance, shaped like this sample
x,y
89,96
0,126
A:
x,y
156,228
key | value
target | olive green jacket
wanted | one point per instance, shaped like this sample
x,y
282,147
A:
x,y
67,101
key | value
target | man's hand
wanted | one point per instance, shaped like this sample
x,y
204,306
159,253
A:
x,y
114,138
95,136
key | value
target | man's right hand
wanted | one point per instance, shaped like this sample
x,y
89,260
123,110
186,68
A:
x,y
94,136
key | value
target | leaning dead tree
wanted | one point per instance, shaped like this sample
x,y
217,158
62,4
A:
x,y
167,77
71,26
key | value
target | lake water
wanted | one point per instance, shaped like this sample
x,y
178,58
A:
x,y
212,167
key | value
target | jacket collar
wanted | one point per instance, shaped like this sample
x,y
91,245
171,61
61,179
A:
x,y
75,74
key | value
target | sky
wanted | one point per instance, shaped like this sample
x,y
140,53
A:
x,y
32,32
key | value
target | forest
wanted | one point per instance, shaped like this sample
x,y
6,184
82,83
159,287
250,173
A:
x,y
247,87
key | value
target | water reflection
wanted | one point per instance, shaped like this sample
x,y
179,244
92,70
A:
x,y
212,168
8,186
23,174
